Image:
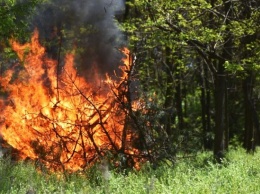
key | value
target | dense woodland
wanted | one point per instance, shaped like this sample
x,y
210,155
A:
x,y
198,61
195,75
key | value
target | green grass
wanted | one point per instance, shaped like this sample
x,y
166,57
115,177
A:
x,y
239,173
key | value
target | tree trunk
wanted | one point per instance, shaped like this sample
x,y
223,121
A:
x,y
249,138
205,108
221,117
169,95
178,96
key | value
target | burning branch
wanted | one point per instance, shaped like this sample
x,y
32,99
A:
x,y
64,126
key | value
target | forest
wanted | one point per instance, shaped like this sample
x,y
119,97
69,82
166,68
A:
x,y
149,82
198,62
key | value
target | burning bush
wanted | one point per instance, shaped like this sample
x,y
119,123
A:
x,y
57,118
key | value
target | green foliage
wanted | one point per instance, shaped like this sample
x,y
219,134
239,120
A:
x,y
233,68
196,174
14,15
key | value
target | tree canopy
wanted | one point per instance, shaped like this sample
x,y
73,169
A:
x,y
14,15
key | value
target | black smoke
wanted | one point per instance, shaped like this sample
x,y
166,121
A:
x,y
89,26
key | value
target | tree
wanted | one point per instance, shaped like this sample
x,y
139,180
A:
x,y
14,18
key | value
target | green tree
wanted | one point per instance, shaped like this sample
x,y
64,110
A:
x,y
14,15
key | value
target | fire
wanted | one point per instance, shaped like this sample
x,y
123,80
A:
x,y
58,118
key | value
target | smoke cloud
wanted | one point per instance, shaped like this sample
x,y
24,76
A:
x,y
89,26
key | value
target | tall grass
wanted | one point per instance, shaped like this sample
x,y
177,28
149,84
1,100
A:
x,y
239,173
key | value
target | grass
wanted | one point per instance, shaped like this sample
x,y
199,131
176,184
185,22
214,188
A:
x,y
239,173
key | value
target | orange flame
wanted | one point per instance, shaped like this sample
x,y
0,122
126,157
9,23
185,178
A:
x,y
58,119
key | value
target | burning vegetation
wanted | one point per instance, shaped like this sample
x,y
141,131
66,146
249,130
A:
x,y
67,110
59,119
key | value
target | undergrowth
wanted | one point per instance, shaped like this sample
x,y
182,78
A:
x,y
239,173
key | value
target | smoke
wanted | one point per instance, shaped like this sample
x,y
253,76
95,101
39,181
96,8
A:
x,y
87,25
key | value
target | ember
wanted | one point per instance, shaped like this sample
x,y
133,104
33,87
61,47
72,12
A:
x,y
60,119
